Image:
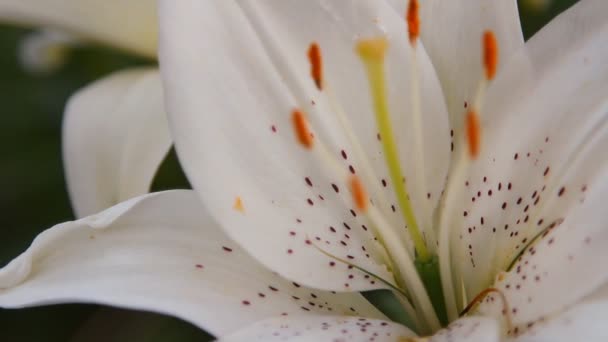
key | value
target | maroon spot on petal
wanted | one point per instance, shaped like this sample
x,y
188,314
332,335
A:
x,y
343,153
273,128
198,266
272,288
546,172
227,249
335,187
308,181
246,302
562,190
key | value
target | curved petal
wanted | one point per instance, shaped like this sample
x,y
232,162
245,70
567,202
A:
x,y
161,252
115,135
545,127
564,266
232,109
129,25
321,328
584,322
451,32
470,329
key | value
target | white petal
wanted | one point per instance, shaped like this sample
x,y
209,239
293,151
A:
x,y
451,32
584,322
161,252
544,128
232,109
563,267
321,328
115,135
130,25
469,329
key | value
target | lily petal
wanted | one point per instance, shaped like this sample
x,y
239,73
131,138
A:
x,y
130,25
115,135
469,329
544,128
161,252
232,109
451,33
563,267
584,322
321,328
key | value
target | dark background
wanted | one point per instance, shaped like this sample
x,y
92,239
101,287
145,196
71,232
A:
x,y
33,195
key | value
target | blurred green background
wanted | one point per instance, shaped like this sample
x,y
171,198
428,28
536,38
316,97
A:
x,y
33,195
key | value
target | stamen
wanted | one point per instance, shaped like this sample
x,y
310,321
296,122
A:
x,y
300,126
359,194
473,134
316,64
372,52
413,21
490,54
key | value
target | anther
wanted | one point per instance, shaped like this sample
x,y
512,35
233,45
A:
x,y
490,54
300,126
413,21
359,194
316,64
473,134
238,205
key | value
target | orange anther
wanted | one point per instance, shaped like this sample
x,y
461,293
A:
x,y
490,54
473,134
316,64
413,20
359,193
238,204
300,126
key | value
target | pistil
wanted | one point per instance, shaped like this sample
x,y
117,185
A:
x,y
372,52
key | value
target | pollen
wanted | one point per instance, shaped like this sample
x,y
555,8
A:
x,y
413,21
316,64
300,127
473,134
238,204
372,49
359,194
490,54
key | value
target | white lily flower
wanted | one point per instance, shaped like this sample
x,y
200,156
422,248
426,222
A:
x,y
318,210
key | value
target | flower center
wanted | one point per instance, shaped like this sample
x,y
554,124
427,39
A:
x,y
426,298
